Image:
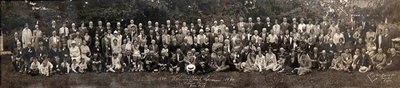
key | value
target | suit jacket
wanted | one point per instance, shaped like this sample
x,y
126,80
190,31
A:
x,y
330,47
28,53
363,60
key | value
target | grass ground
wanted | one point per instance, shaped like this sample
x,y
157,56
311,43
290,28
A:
x,y
316,79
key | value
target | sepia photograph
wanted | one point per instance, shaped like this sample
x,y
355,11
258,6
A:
x,y
200,43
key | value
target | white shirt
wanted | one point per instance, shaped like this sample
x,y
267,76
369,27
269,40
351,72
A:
x,y
26,36
215,29
276,29
75,51
64,30
336,38
301,27
270,58
273,38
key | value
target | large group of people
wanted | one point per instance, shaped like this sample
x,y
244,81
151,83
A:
x,y
292,47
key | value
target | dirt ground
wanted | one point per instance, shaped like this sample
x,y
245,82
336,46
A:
x,y
316,79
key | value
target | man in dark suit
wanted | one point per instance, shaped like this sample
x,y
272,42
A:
x,y
258,25
362,62
100,29
98,59
28,54
331,49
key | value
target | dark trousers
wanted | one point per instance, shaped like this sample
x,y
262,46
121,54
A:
x,y
16,65
151,66
63,70
97,67
34,72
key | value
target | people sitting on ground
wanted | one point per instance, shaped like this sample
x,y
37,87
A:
x,y
379,60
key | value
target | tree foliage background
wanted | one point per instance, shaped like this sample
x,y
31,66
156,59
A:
x,y
14,14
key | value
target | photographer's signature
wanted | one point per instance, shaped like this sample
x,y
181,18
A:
x,y
374,77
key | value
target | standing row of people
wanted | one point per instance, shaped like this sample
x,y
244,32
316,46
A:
x,y
298,47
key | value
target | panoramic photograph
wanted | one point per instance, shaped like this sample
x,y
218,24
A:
x,y
200,43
